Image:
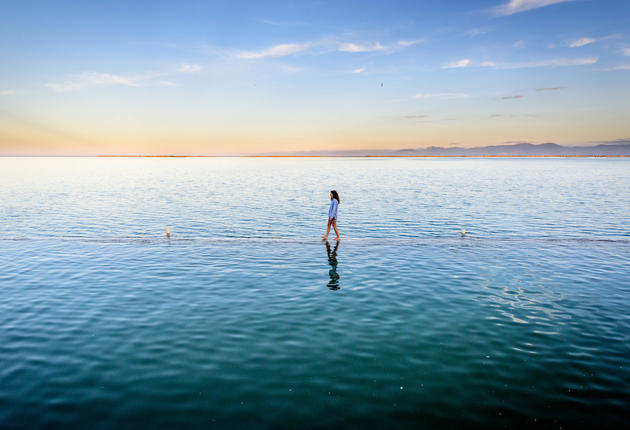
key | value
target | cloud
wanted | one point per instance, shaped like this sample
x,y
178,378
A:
x,y
166,84
415,116
368,47
519,44
550,88
189,68
64,86
7,92
360,70
626,52
621,141
516,6
622,67
562,62
442,96
93,78
281,50
553,62
478,31
406,43
464,62
323,46
377,46
109,79
511,97
525,115
583,41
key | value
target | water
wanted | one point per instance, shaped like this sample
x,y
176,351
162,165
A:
x,y
245,319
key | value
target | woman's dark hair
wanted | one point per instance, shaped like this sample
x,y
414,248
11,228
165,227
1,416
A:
x,y
335,195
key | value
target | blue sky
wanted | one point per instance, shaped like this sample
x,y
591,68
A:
x,y
251,77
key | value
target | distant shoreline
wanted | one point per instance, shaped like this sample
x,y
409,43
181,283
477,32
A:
x,y
364,156
315,156
621,149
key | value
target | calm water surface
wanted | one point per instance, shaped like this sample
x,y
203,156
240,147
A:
x,y
245,319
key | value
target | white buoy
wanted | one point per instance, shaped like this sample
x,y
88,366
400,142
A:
x,y
463,232
168,231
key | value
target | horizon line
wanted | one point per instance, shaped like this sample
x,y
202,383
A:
x,y
321,156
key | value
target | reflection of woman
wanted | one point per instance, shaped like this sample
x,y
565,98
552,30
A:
x,y
332,214
333,284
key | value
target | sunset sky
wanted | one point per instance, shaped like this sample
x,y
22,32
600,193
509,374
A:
x,y
151,77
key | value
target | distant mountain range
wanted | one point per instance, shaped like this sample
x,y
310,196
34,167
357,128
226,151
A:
x,y
518,149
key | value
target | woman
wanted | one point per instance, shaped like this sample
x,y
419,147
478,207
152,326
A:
x,y
332,214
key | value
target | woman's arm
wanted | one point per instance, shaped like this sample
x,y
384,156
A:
x,y
332,213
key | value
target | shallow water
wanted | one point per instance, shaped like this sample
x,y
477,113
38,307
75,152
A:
x,y
245,319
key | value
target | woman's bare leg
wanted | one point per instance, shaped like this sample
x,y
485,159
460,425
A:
x,y
334,224
327,229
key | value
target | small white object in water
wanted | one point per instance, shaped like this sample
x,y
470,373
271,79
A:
x,y
168,231
463,232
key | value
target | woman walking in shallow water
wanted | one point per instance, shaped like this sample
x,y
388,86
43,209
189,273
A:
x,y
332,214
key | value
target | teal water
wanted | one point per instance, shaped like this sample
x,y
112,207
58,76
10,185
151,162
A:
x,y
243,318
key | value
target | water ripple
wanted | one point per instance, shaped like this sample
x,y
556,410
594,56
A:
x,y
244,318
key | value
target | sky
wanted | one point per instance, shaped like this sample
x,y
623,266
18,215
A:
x,y
245,77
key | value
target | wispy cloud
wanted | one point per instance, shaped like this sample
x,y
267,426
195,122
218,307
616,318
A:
x,y
511,97
488,64
367,47
621,141
275,51
516,6
442,96
553,62
406,43
474,32
464,62
376,46
561,62
583,41
94,78
189,68
323,46
67,85
550,88
626,52
415,116
166,84
360,70
524,115
7,92
519,44
622,67
109,79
